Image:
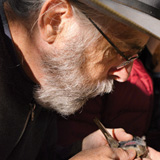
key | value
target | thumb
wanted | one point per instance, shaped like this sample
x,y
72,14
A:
x,y
131,153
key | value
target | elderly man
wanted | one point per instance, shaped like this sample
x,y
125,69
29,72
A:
x,y
56,54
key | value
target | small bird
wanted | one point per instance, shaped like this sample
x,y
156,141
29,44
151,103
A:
x,y
136,143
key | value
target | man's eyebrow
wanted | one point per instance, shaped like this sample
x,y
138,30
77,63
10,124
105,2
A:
x,y
135,46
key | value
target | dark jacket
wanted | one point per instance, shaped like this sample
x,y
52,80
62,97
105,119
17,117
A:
x,y
27,131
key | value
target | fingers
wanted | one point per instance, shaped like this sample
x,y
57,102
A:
x,y
153,154
120,134
105,153
101,153
130,154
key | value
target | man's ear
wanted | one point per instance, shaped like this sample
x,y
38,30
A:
x,y
50,19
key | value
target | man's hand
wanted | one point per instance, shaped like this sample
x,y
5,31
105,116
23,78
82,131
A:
x,y
95,147
105,153
97,139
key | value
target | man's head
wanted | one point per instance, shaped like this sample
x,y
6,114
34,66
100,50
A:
x,y
65,52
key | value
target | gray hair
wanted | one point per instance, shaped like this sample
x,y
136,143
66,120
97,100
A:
x,y
25,8
30,8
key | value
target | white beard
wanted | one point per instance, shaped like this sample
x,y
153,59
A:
x,y
72,97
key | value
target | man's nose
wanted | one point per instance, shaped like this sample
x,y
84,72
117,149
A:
x,y
122,74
